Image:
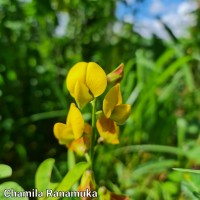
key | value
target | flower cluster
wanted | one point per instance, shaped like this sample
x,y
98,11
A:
x,y
85,82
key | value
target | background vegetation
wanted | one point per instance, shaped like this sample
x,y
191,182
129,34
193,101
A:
x,y
161,82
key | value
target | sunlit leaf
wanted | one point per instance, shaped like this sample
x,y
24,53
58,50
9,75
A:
x,y
6,193
43,175
187,170
72,177
5,171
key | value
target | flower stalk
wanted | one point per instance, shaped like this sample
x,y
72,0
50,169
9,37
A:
x,y
93,139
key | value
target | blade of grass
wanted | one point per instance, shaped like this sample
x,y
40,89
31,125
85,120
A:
x,y
150,148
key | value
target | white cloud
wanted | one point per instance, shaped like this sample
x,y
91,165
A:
x,y
178,17
129,18
129,2
187,7
182,19
150,27
156,7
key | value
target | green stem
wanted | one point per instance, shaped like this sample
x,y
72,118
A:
x,y
93,132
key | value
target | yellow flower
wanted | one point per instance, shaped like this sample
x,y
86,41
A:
x,y
85,81
108,130
114,113
82,144
113,107
73,129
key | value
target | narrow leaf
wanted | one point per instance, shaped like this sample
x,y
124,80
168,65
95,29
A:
x,y
187,170
172,69
72,177
164,59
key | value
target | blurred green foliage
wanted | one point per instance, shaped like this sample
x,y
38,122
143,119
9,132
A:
x,y
161,82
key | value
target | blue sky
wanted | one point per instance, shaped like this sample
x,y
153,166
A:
x,y
175,13
144,8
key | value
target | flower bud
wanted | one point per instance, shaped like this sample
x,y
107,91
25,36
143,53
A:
x,y
105,194
116,75
87,183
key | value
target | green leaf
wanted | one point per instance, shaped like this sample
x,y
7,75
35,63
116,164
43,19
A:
x,y
187,170
72,177
43,175
5,171
164,59
150,148
6,195
172,69
153,167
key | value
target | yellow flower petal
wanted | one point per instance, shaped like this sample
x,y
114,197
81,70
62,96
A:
x,y
81,145
87,129
108,130
82,95
112,98
63,133
121,113
77,146
96,79
76,73
75,121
